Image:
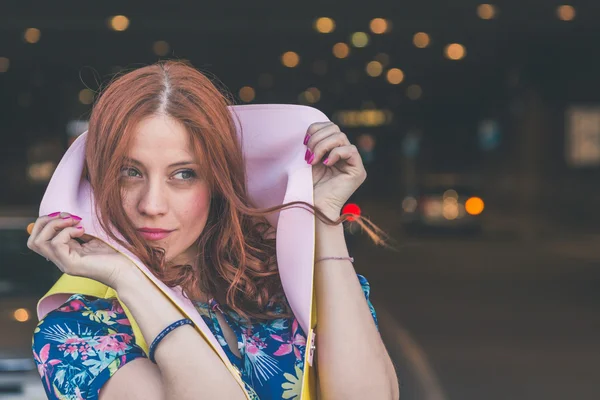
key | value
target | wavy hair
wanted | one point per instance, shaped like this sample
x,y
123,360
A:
x,y
237,263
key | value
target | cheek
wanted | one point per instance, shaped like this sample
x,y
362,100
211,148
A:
x,y
128,201
195,208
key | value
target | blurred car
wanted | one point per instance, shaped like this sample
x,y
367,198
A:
x,y
450,208
24,278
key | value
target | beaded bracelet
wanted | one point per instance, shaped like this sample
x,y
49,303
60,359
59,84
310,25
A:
x,y
165,332
351,259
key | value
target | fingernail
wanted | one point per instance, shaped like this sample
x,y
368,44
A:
x,y
79,227
76,217
54,214
306,155
325,162
312,157
306,138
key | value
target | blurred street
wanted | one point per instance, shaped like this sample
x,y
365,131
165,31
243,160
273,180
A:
x,y
498,317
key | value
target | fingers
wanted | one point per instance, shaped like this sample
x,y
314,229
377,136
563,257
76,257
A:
x,y
46,228
350,155
63,246
39,224
325,137
318,131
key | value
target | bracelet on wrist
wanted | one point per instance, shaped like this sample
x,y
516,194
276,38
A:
x,y
165,332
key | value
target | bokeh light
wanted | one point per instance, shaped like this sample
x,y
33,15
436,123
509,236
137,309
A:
x,y
119,23
486,11
324,25
374,68
566,12
474,206
21,315
290,59
359,39
379,26
341,50
421,40
32,35
455,51
247,94
86,96
161,48
395,76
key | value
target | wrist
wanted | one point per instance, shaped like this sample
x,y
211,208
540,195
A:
x,y
131,280
331,212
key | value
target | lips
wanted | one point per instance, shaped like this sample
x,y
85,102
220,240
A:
x,y
154,234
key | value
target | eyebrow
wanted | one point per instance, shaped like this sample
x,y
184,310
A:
x,y
177,164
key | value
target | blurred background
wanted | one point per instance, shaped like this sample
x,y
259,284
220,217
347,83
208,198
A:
x,y
479,126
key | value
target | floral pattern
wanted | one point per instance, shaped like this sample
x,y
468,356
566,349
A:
x,y
80,345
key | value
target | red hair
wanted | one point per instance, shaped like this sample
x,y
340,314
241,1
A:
x,y
237,263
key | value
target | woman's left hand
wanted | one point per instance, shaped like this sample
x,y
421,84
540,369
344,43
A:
x,y
343,173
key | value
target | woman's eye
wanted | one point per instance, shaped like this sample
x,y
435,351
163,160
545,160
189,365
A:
x,y
129,172
187,174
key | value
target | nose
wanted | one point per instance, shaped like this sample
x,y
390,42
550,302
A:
x,y
153,200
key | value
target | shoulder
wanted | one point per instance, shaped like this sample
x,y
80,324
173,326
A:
x,y
81,344
96,315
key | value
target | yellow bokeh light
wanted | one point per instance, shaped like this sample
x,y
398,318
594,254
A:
x,y
290,59
395,76
247,94
486,11
455,51
119,23
414,92
86,96
21,315
324,25
379,26
566,13
421,40
32,35
374,68
359,39
161,48
474,206
341,50
4,64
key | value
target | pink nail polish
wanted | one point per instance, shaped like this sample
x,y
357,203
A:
x,y
306,155
54,214
79,227
306,138
326,160
312,157
75,217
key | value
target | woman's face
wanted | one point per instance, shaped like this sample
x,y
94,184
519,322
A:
x,y
163,189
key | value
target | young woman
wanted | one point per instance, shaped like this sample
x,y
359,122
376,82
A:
x,y
168,174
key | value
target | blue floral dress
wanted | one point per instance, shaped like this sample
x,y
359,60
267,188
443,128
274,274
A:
x,y
80,345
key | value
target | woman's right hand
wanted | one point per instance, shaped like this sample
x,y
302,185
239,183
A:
x,y
53,237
